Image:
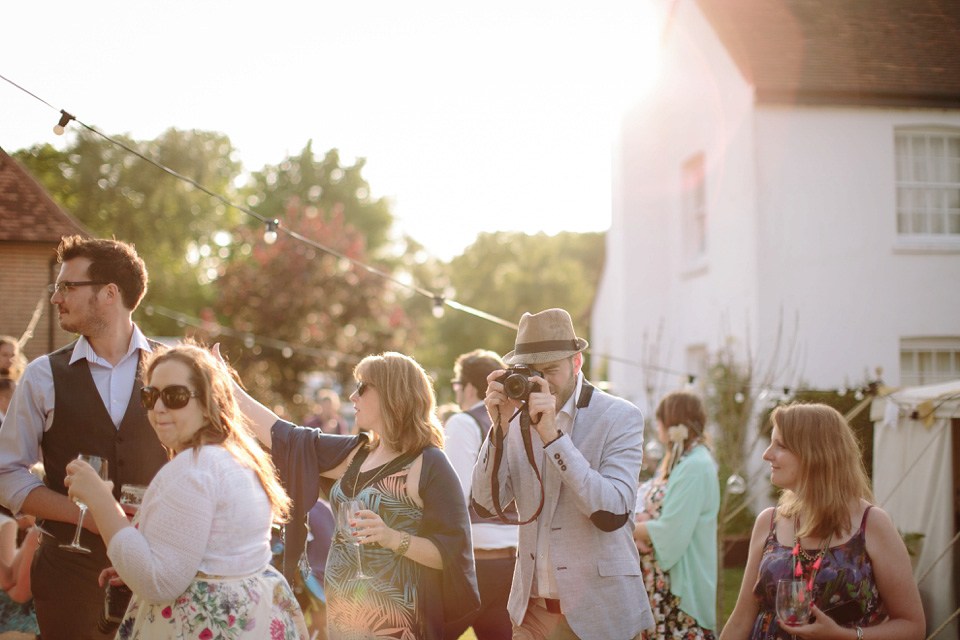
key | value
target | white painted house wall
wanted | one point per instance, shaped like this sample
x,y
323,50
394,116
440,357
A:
x,y
702,104
801,221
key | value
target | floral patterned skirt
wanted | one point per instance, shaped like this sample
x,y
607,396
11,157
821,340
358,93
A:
x,y
260,605
672,622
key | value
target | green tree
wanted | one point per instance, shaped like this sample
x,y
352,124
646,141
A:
x,y
327,187
113,193
334,311
509,273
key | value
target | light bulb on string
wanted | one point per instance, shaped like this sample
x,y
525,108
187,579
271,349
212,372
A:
x,y
858,395
248,341
736,485
65,119
842,391
738,397
287,352
438,306
270,235
653,450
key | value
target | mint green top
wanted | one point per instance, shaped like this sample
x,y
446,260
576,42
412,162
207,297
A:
x,y
685,535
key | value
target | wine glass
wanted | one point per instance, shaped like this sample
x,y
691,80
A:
x,y
100,466
793,603
346,520
131,497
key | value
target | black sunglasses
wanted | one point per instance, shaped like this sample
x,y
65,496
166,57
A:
x,y
362,387
176,396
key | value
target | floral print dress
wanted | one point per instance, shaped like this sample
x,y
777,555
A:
x,y
260,605
845,579
672,623
384,605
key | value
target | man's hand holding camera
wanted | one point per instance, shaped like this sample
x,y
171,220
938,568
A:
x,y
507,390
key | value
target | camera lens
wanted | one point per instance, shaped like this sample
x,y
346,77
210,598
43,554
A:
x,y
516,386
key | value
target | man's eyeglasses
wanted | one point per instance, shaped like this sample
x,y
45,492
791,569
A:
x,y
65,287
456,384
363,386
176,396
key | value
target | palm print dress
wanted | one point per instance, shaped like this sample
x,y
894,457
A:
x,y
672,622
844,580
385,604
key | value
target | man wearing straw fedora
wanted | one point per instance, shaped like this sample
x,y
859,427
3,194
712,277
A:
x,y
578,572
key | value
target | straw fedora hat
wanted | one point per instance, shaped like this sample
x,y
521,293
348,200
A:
x,y
545,337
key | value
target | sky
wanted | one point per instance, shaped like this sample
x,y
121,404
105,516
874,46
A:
x,y
493,116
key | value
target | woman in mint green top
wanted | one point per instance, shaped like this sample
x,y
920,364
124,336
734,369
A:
x,y
676,531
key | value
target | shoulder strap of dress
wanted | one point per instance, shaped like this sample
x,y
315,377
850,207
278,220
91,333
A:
x,y
863,523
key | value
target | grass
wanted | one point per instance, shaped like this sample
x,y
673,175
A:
x,y
730,589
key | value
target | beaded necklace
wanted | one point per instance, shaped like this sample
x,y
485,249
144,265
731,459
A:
x,y
798,552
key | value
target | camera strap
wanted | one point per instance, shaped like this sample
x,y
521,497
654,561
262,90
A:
x,y
498,457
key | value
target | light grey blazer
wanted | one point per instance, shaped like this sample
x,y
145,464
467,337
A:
x,y
595,561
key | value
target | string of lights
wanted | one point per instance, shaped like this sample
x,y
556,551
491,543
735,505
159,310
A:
x,y
273,228
250,340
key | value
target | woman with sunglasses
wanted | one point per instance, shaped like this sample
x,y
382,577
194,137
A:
x,y
414,571
197,553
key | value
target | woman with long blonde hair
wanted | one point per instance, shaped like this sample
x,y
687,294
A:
x,y
403,567
197,554
825,532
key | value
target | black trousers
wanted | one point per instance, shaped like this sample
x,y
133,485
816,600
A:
x,y
492,622
66,596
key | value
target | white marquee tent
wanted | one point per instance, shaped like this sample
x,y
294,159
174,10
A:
x,y
913,480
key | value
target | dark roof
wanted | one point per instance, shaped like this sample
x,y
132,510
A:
x,y
854,52
27,212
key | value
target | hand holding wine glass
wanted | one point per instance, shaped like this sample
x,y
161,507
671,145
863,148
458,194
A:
x,y
99,465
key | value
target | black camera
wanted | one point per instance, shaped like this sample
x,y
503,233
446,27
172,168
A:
x,y
516,382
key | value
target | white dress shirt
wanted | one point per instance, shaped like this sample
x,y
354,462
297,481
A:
x,y
30,412
462,445
546,585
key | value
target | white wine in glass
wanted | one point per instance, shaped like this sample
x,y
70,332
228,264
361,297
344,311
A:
x,y
131,497
346,521
100,466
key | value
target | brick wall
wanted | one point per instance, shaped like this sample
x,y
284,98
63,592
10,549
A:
x,y
25,272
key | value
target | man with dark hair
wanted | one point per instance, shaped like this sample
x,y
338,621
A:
x,y
83,398
494,543
578,571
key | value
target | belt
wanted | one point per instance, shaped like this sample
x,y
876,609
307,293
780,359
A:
x,y
550,604
494,554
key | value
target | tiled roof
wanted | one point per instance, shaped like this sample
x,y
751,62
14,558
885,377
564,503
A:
x,y
27,213
857,52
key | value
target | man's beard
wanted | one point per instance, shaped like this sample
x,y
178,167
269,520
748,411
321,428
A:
x,y
564,394
92,325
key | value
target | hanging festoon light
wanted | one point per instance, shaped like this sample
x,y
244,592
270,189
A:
x,y
438,305
270,234
736,485
65,119
653,450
